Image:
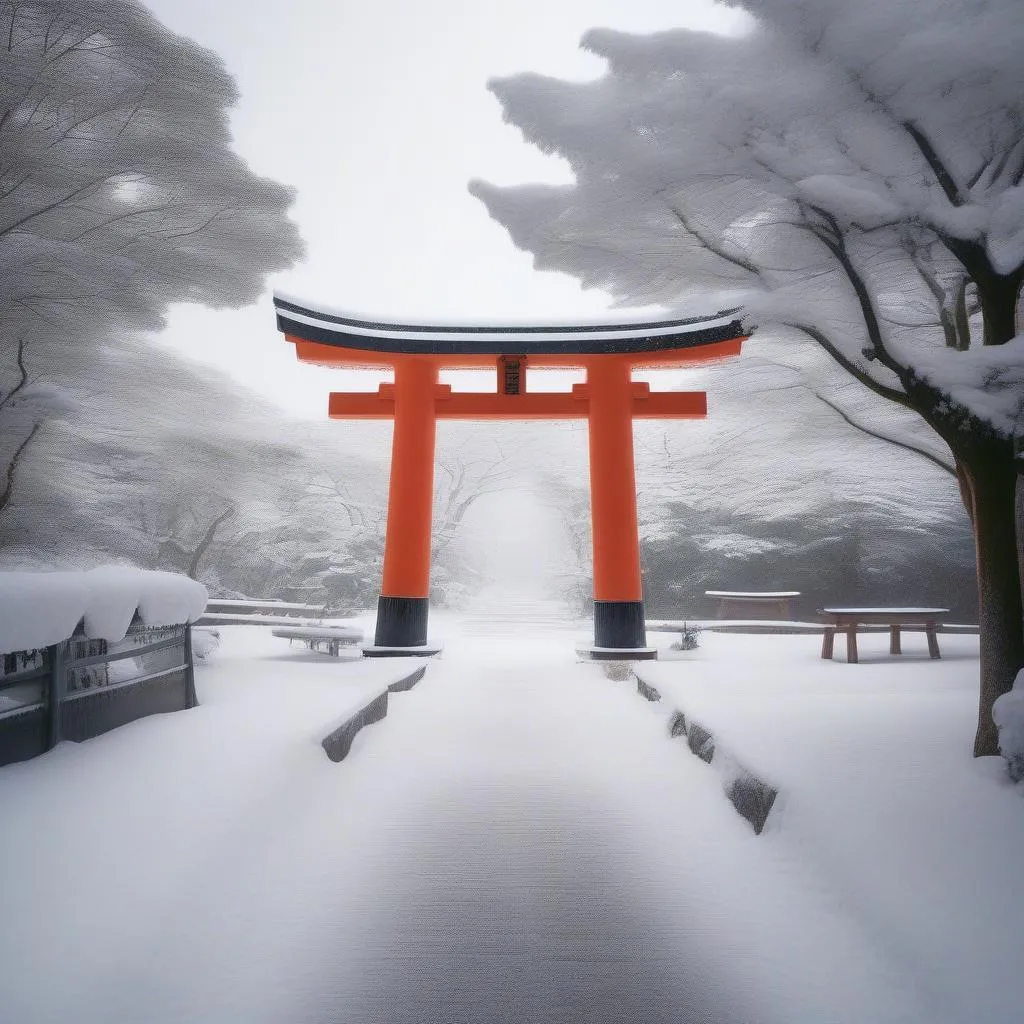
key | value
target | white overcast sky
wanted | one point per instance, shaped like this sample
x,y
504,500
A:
x,y
378,113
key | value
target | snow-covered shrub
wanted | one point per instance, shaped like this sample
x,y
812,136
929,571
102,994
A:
x,y
689,639
1008,714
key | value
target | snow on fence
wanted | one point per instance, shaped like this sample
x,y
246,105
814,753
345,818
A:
x,y
84,652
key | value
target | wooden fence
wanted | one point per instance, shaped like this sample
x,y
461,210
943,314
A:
x,y
84,687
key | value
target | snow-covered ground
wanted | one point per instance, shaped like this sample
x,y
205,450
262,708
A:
x,y
879,795
519,840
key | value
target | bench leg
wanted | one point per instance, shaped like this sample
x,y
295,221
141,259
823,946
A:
x,y
851,645
828,641
933,640
894,640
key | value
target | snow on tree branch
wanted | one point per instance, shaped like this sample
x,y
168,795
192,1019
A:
x,y
844,168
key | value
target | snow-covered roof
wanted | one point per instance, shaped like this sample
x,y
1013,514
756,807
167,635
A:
x,y
327,326
38,609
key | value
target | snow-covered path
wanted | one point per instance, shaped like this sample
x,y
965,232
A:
x,y
517,841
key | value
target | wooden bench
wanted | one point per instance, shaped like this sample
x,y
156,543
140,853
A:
x,y
290,609
847,620
326,639
231,619
742,604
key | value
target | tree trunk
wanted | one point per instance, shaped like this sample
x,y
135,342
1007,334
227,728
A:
x,y
961,319
998,298
1020,519
990,470
205,542
12,466
964,483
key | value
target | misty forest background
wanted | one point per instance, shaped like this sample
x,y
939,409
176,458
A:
x,y
112,449
154,462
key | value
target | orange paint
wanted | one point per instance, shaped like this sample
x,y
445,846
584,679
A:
x,y
615,536
411,491
460,405
333,355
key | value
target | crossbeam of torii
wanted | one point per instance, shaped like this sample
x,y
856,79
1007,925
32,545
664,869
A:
x,y
609,401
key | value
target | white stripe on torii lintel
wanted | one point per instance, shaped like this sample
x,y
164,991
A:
x,y
509,332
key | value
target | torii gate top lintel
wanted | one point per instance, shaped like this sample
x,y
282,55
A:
x,y
609,400
673,341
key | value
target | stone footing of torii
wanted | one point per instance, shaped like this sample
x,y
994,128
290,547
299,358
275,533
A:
x,y
609,400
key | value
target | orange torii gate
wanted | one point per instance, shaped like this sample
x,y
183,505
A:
x,y
609,400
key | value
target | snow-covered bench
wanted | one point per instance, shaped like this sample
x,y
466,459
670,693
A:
x,y
223,606
327,639
244,619
848,620
742,603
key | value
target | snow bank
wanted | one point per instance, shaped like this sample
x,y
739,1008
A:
x,y
1008,714
39,609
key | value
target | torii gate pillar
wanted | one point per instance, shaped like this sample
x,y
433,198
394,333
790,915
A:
x,y
618,592
403,605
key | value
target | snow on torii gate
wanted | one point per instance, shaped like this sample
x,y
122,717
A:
x,y
609,400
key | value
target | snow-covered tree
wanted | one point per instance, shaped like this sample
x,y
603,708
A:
x,y
153,455
475,466
119,190
852,175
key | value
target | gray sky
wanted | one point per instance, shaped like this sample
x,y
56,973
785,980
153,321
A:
x,y
378,113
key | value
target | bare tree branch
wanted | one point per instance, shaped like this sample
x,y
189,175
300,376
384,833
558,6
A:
x,y
961,320
84,190
852,368
207,540
705,240
14,188
114,220
196,230
12,465
942,173
909,446
23,380
947,319
835,242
